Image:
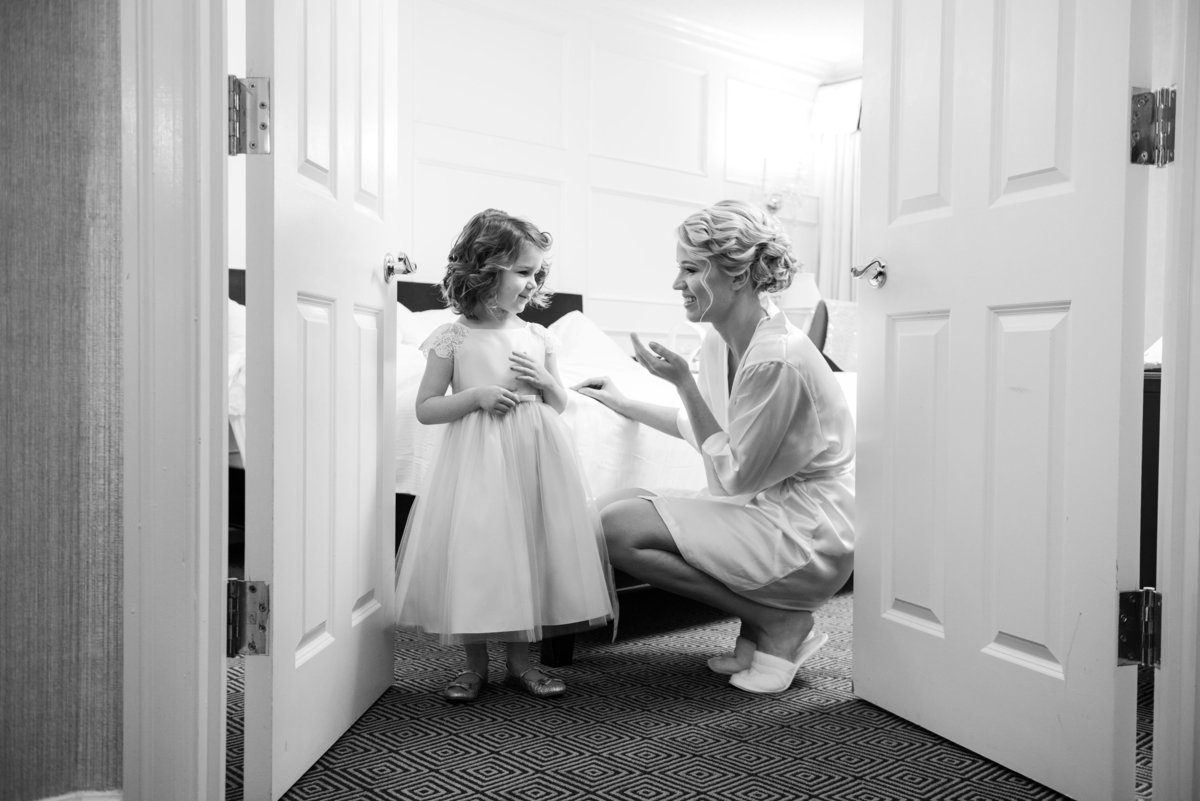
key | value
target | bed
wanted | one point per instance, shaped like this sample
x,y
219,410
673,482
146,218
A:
x,y
615,452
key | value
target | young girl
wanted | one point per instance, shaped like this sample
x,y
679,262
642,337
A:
x,y
504,543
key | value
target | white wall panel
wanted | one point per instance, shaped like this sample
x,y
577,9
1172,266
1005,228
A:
x,y
450,195
646,271
764,130
489,73
648,111
601,130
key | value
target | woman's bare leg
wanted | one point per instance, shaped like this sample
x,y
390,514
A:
x,y
640,544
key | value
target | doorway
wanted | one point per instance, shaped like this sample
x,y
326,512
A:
x,y
233,193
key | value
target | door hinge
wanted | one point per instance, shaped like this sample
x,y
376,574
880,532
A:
x,y
1139,628
247,618
1152,127
249,115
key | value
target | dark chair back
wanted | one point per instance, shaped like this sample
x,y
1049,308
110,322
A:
x,y
818,327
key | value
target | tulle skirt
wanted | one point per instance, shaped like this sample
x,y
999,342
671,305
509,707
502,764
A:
x,y
504,542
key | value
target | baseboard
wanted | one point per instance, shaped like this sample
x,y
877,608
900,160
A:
x,y
88,795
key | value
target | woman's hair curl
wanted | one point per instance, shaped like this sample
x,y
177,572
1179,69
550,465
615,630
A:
x,y
489,244
741,239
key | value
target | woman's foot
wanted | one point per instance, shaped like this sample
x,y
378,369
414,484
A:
x,y
739,660
534,681
465,687
782,633
774,674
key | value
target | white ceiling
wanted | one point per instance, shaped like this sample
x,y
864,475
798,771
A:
x,y
821,37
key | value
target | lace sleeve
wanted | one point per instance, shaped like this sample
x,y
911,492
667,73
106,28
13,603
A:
x,y
445,340
547,336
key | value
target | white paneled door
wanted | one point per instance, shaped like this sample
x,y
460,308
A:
x,y
322,213
999,395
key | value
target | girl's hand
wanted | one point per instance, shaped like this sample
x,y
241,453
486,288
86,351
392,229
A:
x,y
531,372
662,362
496,400
602,389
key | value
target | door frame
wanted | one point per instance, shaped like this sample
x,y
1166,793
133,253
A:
x,y
173,228
174,441
1177,683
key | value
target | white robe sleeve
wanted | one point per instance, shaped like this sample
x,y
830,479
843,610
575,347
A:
x,y
773,432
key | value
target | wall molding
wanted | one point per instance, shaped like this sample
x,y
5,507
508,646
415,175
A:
x,y
688,31
88,795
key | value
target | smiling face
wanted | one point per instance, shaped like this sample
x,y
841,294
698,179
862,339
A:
x,y
707,291
518,283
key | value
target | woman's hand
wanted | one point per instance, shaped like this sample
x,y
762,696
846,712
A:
x,y
496,400
604,390
531,371
662,362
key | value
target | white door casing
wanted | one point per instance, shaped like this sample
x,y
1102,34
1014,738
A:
x,y
1000,382
164,752
321,213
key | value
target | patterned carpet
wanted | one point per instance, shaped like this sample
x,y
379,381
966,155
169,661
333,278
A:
x,y
645,720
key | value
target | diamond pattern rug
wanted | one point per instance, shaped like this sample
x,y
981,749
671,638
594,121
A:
x,y
644,719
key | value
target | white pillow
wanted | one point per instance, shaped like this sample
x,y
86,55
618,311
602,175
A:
x,y
583,343
236,358
415,327
237,336
410,364
1153,355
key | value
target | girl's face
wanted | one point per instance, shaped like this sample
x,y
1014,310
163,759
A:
x,y
707,291
517,283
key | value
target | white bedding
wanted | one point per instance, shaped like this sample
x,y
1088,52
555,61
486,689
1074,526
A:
x,y
615,452
236,361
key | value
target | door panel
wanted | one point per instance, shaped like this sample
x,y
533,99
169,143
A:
x,y
322,212
996,501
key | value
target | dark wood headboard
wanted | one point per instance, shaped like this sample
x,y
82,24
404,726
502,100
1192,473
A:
x,y
417,296
237,285
423,297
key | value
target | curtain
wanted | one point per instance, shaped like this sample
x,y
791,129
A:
x,y
836,177
837,110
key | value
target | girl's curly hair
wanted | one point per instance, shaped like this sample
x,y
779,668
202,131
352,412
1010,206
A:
x,y
741,238
490,243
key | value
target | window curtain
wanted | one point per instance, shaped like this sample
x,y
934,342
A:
x,y
836,113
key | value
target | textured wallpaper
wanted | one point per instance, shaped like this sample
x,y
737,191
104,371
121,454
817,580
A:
x,y
60,398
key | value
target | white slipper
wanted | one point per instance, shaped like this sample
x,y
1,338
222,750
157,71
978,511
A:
x,y
774,674
739,660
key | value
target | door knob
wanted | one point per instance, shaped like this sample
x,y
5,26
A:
x,y
397,265
875,271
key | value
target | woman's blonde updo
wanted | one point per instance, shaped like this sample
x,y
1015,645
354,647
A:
x,y
740,238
